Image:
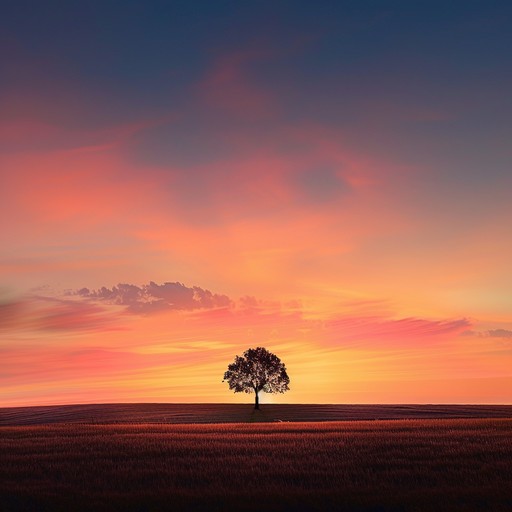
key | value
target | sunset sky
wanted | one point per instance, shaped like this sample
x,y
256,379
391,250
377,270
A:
x,y
183,180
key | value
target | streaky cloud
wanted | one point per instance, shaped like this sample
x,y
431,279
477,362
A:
x,y
40,313
395,331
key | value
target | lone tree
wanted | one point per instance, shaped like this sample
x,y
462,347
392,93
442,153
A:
x,y
257,370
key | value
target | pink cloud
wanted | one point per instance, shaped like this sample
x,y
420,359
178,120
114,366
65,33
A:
x,y
72,189
227,86
38,313
38,366
66,315
394,332
11,311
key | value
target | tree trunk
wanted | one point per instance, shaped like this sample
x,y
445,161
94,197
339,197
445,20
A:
x,y
256,401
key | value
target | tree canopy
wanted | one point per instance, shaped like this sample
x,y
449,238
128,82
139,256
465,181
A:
x,y
257,370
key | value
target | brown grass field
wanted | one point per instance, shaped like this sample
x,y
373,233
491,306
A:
x,y
239,413
380,465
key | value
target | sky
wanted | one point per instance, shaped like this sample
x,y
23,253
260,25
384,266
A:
x,y
180,181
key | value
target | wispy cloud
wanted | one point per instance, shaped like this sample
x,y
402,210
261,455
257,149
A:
x,y
393,332
491,333
10,312
228,86
39,313
68,315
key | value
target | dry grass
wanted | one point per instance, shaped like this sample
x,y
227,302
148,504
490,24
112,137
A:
x,y
403,465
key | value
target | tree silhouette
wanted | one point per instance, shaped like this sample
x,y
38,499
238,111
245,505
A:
x,y
257,370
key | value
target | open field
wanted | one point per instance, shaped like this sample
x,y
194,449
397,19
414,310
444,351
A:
x,y
402,465
239,413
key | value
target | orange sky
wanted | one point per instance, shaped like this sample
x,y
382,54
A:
x,y
363,237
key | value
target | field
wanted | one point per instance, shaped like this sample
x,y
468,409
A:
x,y
239,413
383,465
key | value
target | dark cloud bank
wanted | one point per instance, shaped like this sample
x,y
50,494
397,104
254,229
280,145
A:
x,y
152,297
